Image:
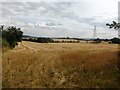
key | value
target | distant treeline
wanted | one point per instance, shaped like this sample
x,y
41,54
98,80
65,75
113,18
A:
x,y
40,40
113,40
49,40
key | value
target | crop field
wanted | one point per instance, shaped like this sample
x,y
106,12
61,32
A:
x,y
61,65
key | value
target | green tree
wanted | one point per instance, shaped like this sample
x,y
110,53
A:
x,y
12,35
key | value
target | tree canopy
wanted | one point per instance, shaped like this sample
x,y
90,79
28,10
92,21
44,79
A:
x,y
12,35
114,25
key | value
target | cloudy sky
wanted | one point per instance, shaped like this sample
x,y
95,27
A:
x,y
61,19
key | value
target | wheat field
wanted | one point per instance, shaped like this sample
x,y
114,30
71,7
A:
x,y
60,65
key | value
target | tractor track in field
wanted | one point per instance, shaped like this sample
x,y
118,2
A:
x,y
22,47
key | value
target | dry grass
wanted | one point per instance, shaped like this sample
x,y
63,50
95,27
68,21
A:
x,y
61,65
91,60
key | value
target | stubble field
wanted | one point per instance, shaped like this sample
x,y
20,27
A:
x,y
61,65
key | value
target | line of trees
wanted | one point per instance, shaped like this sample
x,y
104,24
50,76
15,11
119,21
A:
x,y
40,40
11,35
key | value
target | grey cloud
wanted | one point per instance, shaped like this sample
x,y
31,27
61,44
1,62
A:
x,y
22,13
86,19
24,9
33,8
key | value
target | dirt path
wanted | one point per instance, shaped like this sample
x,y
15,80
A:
x,y
22,47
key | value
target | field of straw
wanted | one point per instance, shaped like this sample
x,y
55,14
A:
x,y
61,65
